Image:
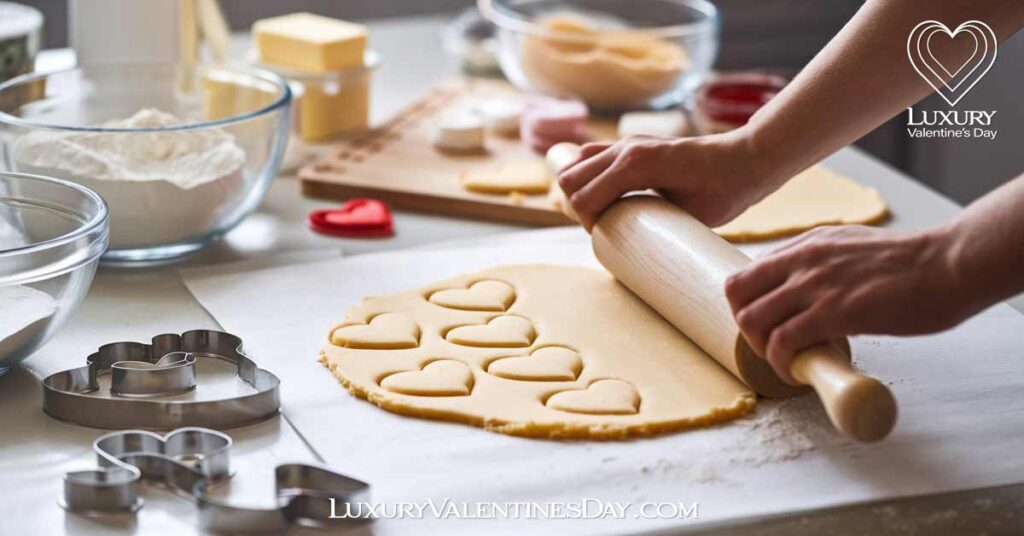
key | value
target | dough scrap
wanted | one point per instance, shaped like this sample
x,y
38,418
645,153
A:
x,y
519,177
548,364
603,397
486,295
811,199
598,364
444,377
386,331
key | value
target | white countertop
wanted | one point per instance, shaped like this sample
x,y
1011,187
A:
x,y
135,304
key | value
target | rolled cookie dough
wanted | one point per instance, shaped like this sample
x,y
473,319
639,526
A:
x,y
813,198
519,177
541,351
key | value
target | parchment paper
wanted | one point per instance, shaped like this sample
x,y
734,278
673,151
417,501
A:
x,y
961,397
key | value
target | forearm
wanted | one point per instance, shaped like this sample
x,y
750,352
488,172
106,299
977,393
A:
x,y
986,248
861,79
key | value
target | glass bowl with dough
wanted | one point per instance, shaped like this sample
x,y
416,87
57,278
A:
x,y
52,233
615,56
181,154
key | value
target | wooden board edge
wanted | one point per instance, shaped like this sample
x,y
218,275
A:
x,y
428,204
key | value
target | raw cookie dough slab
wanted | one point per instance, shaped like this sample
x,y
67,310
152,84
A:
x,y
527,177
570,354
813,198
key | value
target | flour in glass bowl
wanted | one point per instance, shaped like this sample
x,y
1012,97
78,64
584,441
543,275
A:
x,y
161,187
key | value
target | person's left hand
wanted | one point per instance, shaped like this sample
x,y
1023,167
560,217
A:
x,y
837,281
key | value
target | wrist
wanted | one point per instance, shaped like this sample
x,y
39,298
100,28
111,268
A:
x,y
765,163
946,252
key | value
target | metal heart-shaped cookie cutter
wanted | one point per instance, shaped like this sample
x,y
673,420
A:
x,y
144,376
190,461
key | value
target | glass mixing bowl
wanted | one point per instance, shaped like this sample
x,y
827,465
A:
x,y
613,55
52,234
181,154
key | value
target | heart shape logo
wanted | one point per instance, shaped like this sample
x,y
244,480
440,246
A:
x,y
444,377
356,218
603,397
387,331
506,331
486,295
548,364
953,84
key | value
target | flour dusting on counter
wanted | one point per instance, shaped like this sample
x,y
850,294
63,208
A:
x,y
24,315
779,431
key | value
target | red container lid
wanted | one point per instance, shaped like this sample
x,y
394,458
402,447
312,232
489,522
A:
x,y
735,97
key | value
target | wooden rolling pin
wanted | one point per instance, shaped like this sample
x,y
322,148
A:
x,y
678,266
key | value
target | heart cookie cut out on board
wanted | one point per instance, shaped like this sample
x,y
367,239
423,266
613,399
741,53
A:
x,y
439,378
487,295
355,218
548,364
603,397
507,331
388,331
523,177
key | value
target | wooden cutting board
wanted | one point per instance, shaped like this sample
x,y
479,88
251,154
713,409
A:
x,y
397,162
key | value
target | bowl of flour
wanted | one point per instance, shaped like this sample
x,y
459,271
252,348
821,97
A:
x,y
180,154
52,234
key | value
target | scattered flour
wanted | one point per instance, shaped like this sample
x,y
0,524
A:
x,y
162,187
777,432
24,315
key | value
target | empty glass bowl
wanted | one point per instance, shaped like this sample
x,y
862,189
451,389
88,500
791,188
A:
x,y
181,154
613,55
52,234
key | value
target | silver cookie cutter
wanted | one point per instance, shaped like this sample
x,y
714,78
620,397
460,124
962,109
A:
x,y
190,461
144,376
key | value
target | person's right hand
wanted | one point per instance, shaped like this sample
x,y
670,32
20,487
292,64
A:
x,y
714,178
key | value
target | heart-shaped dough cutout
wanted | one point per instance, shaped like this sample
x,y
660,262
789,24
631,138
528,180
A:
x,y
388,331
506,331
439,378
603,397
548,364
524,177
486,295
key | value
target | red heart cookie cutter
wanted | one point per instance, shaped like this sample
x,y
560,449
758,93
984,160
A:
x,y
357,218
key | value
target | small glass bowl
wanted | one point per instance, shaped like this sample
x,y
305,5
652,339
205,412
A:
x,y
20,36
469,39
52,234
326,106
152,218
615,56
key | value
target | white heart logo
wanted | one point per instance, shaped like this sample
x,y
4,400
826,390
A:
x,y
952,85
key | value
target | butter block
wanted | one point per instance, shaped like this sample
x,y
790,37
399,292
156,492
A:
x,y
327,114
309,42
226,96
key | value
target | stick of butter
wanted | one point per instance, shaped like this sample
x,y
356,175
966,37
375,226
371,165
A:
x,y
310,42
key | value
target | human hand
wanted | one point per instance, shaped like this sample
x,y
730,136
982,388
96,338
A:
x,y
714,178
837,281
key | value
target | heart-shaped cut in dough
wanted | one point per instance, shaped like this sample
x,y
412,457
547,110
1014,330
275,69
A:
x,y
524,177
486,295
603,397
506,331
548,364
388,331
439,378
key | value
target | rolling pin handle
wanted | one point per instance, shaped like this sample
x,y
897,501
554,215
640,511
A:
x,y
859,406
